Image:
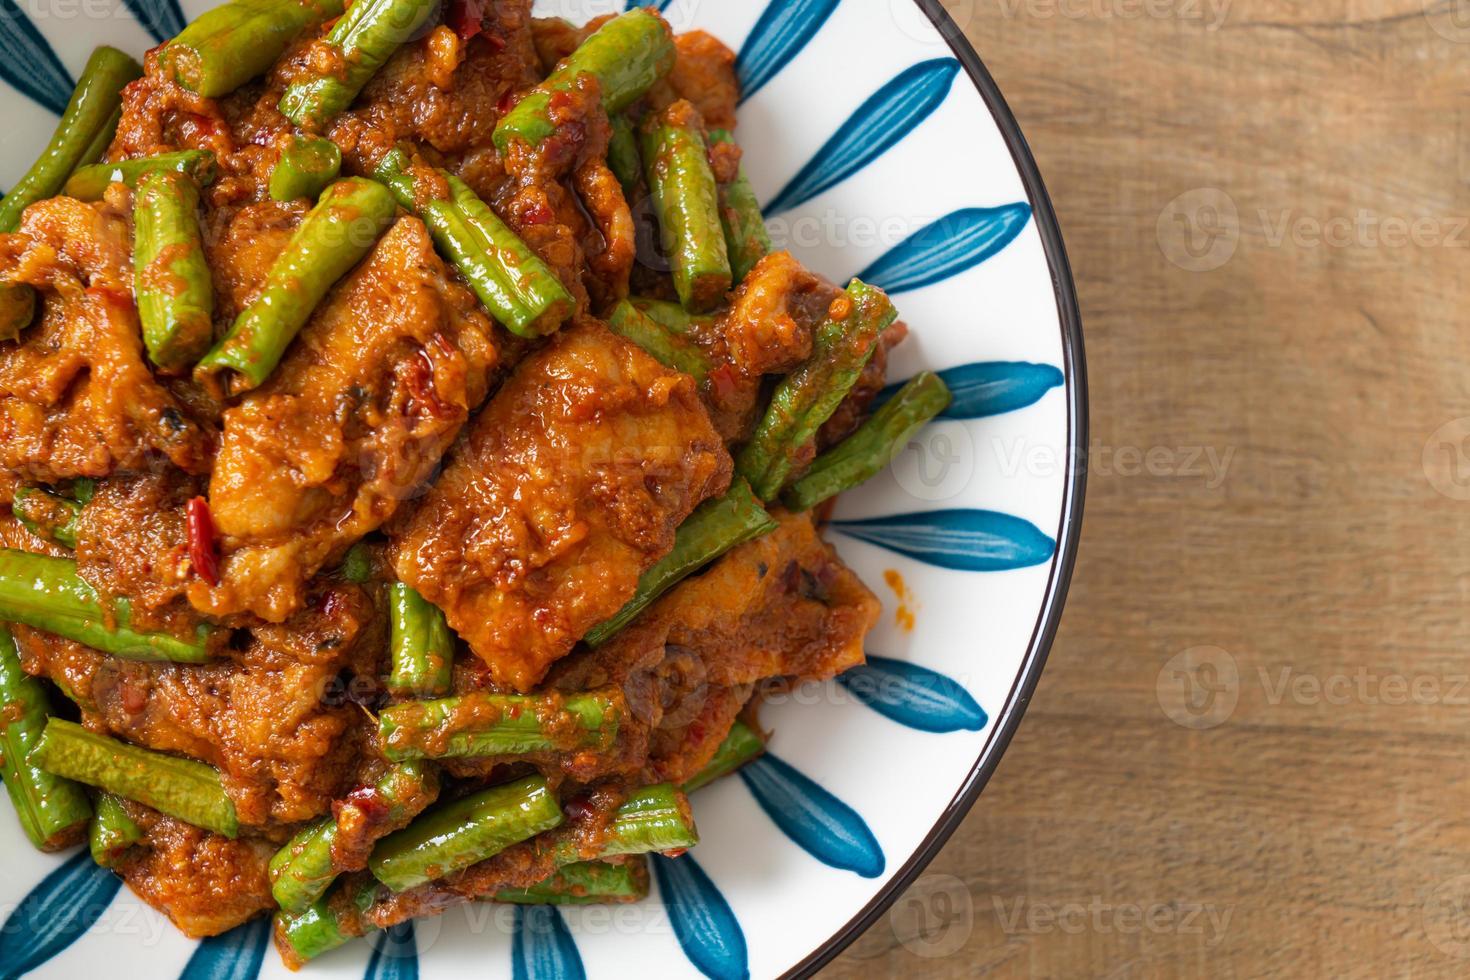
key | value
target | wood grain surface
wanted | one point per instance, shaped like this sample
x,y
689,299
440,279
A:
x,y
1249,754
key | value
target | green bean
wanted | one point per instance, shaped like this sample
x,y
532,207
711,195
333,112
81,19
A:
x,y
305,168
362,41
465,832
583,883
671,316
328,922
421,646
687,203
49,515
90,183
182,788
739,747
864,454
714,528
112,831
626,55
334,237
228,46
92,108
807,397
47,593
357,564
53,811
667,347
622,155
174,287
746,237
303,870
655,818
483,725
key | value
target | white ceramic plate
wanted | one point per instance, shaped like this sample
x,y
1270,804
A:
x,y
881,148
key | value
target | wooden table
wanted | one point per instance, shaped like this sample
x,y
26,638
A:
x,y
1319,345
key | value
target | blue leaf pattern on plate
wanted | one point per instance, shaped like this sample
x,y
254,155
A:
x,y
947,247
543,947
28,63
635,4
914,696
235,955
163,19
990,387
784,28
821,824
55,914
887,117
395,954
964,540
706,929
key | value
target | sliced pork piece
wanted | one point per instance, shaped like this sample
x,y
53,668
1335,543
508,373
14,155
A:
x,y
568,486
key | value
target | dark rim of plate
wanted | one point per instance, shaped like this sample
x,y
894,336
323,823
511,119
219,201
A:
x,y
1068,531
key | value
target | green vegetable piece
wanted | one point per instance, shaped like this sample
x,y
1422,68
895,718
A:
x,y
47,514
228,46
807,397
740,746
112,831
328,922
626,55
343,227
864,454
479,724
669,348
357,564
363,40
47,593
686,201
671,316
622,155
746,237
182,788
464,832
52,810
90,183
583,883
653,819
421,645
714,528
174,287
305,169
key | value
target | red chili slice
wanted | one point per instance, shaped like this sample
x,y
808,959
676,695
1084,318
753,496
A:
x,y
465,18
203,550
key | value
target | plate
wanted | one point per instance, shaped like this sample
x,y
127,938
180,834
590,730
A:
x,y
881,148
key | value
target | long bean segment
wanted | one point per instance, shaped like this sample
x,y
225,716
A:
x,y
52,810
328,922
483,725
670,316
687,203
92,110
360,43
305,168
518,289
465,832
746,236
626,55
178,787
47,514
583,883
740,746
91,182
807,397
622,155
714,528
653,819
420,644
112,831
864,454
47,593
667,347
85,129
303,870
174,288
334,237
228,46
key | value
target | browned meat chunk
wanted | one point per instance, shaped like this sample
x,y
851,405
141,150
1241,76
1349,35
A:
x,y
206,884
569,485
275,720
704,73
76,398
351,424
